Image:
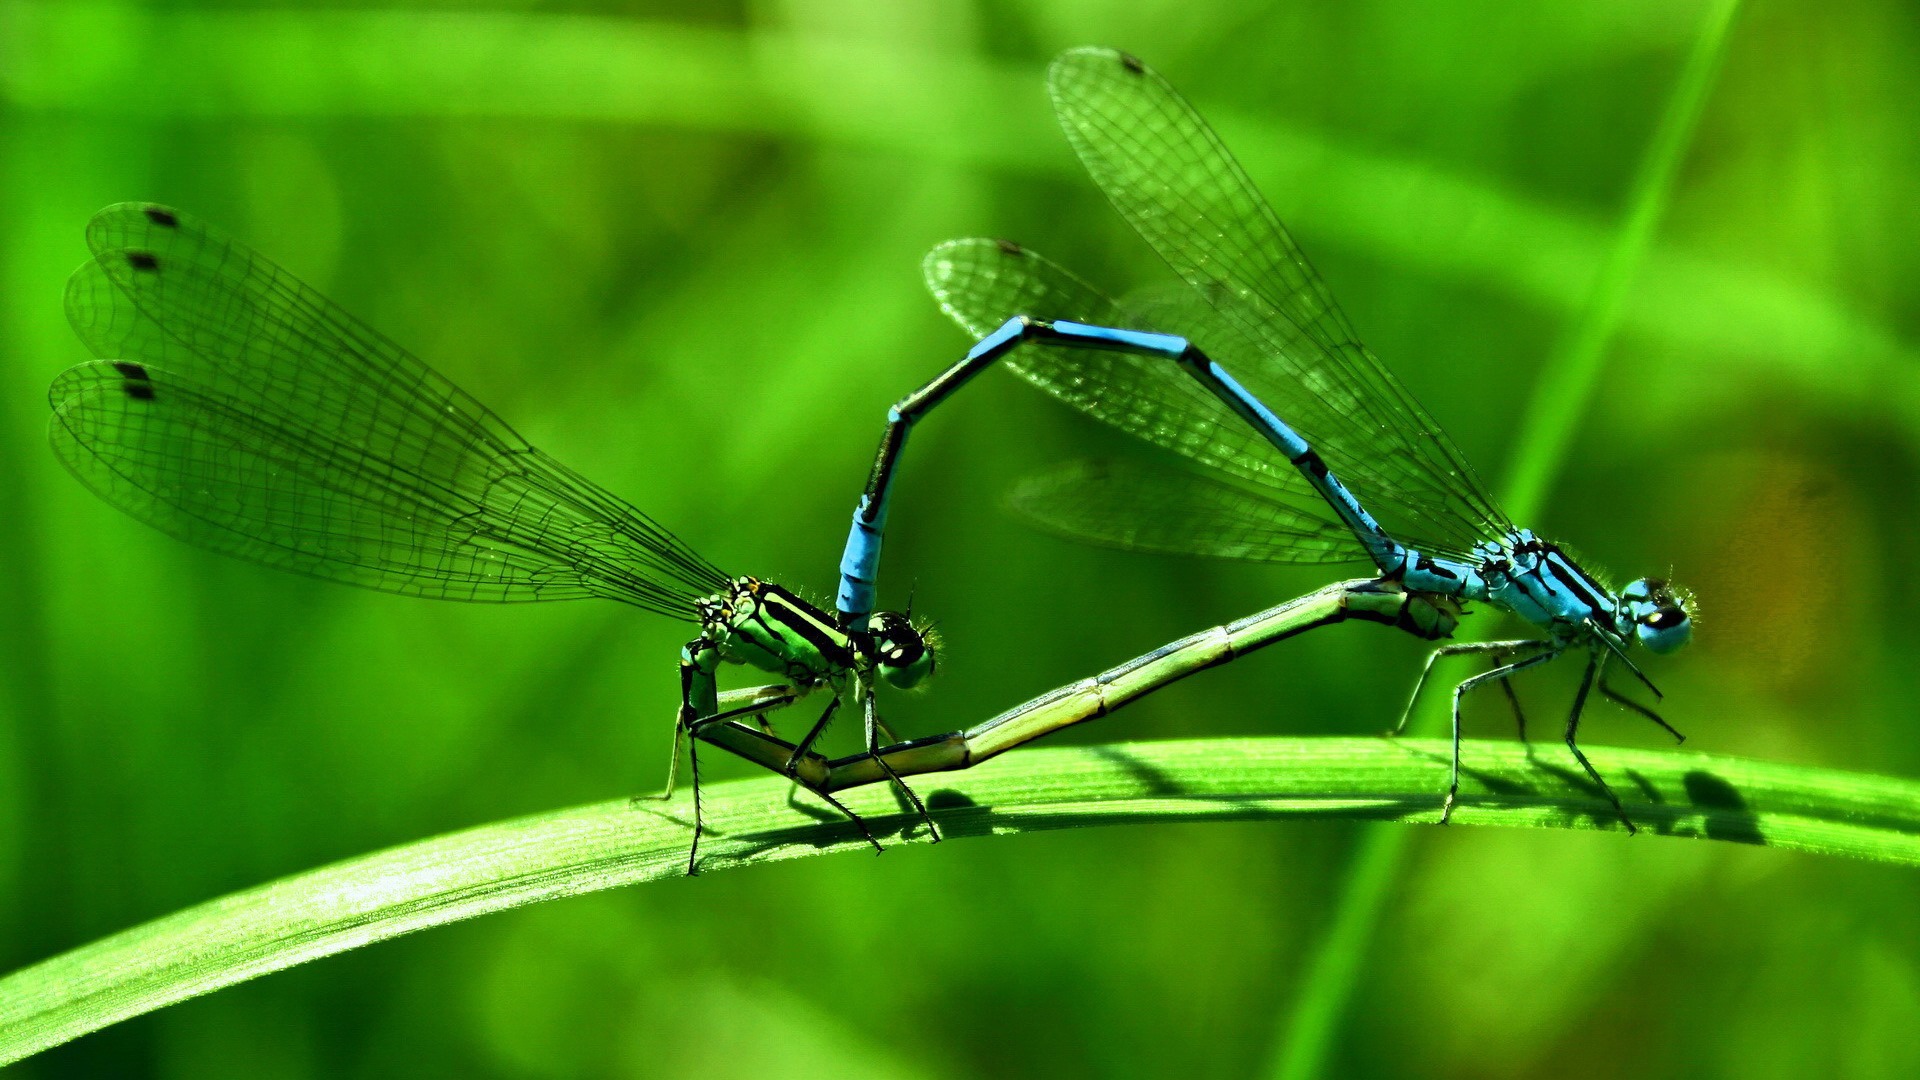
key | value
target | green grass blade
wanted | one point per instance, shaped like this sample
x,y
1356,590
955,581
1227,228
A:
x,y
1559,401
580,850
1560,397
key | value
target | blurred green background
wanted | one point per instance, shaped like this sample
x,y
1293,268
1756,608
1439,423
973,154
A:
x,y
637,230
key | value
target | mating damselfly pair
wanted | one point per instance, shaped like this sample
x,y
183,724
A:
x,y
238,409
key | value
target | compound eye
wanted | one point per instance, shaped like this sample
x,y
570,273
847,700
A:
x,y
902,653
1666,618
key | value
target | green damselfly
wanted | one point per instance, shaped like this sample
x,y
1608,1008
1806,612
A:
x,y
240,410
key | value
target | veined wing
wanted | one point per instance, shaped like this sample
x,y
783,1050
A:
x,y
249,414
1172,178
983,283
1168,512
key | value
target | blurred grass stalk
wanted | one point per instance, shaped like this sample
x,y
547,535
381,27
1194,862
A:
x,y
1547,430
116,60
574,851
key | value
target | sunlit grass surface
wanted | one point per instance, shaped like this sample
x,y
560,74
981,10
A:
x,y
678,247
586,849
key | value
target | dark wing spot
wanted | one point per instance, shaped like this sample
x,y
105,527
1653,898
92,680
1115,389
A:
x,y
1132,63
162,216
131,370
138,389
1008,247
143,260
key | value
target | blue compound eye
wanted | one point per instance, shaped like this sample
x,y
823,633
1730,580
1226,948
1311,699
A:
x,y
1665,630
1660,619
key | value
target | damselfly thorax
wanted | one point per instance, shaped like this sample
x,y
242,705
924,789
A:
x,y
762,625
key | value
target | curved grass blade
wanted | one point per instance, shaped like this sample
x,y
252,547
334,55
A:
x,y
247,413
569,852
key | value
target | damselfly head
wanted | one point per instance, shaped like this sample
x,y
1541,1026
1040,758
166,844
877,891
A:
x,y
1660,615
902,652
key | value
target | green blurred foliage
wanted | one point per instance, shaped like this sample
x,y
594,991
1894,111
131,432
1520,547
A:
x,y
677,245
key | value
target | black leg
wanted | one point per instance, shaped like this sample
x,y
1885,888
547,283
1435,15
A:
x,y
792,774
1459,693
697,696
813,735
693,851
1627,703
873,750
1594,663
1513,697
851,816
1498,648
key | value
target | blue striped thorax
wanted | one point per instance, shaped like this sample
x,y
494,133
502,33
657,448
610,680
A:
x,y
1540,583
1536,581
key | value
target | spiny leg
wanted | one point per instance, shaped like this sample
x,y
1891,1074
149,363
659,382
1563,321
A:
x,y
800,751
812,736
851,816
700,725
1595,661
759,701
873,751
693,850
1513,699
699,707
793,772
1460,691
1628,703
699,695
1498,648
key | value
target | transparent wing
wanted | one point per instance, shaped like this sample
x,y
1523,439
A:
x,y
249,414
1170,176
983,283
1168,512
